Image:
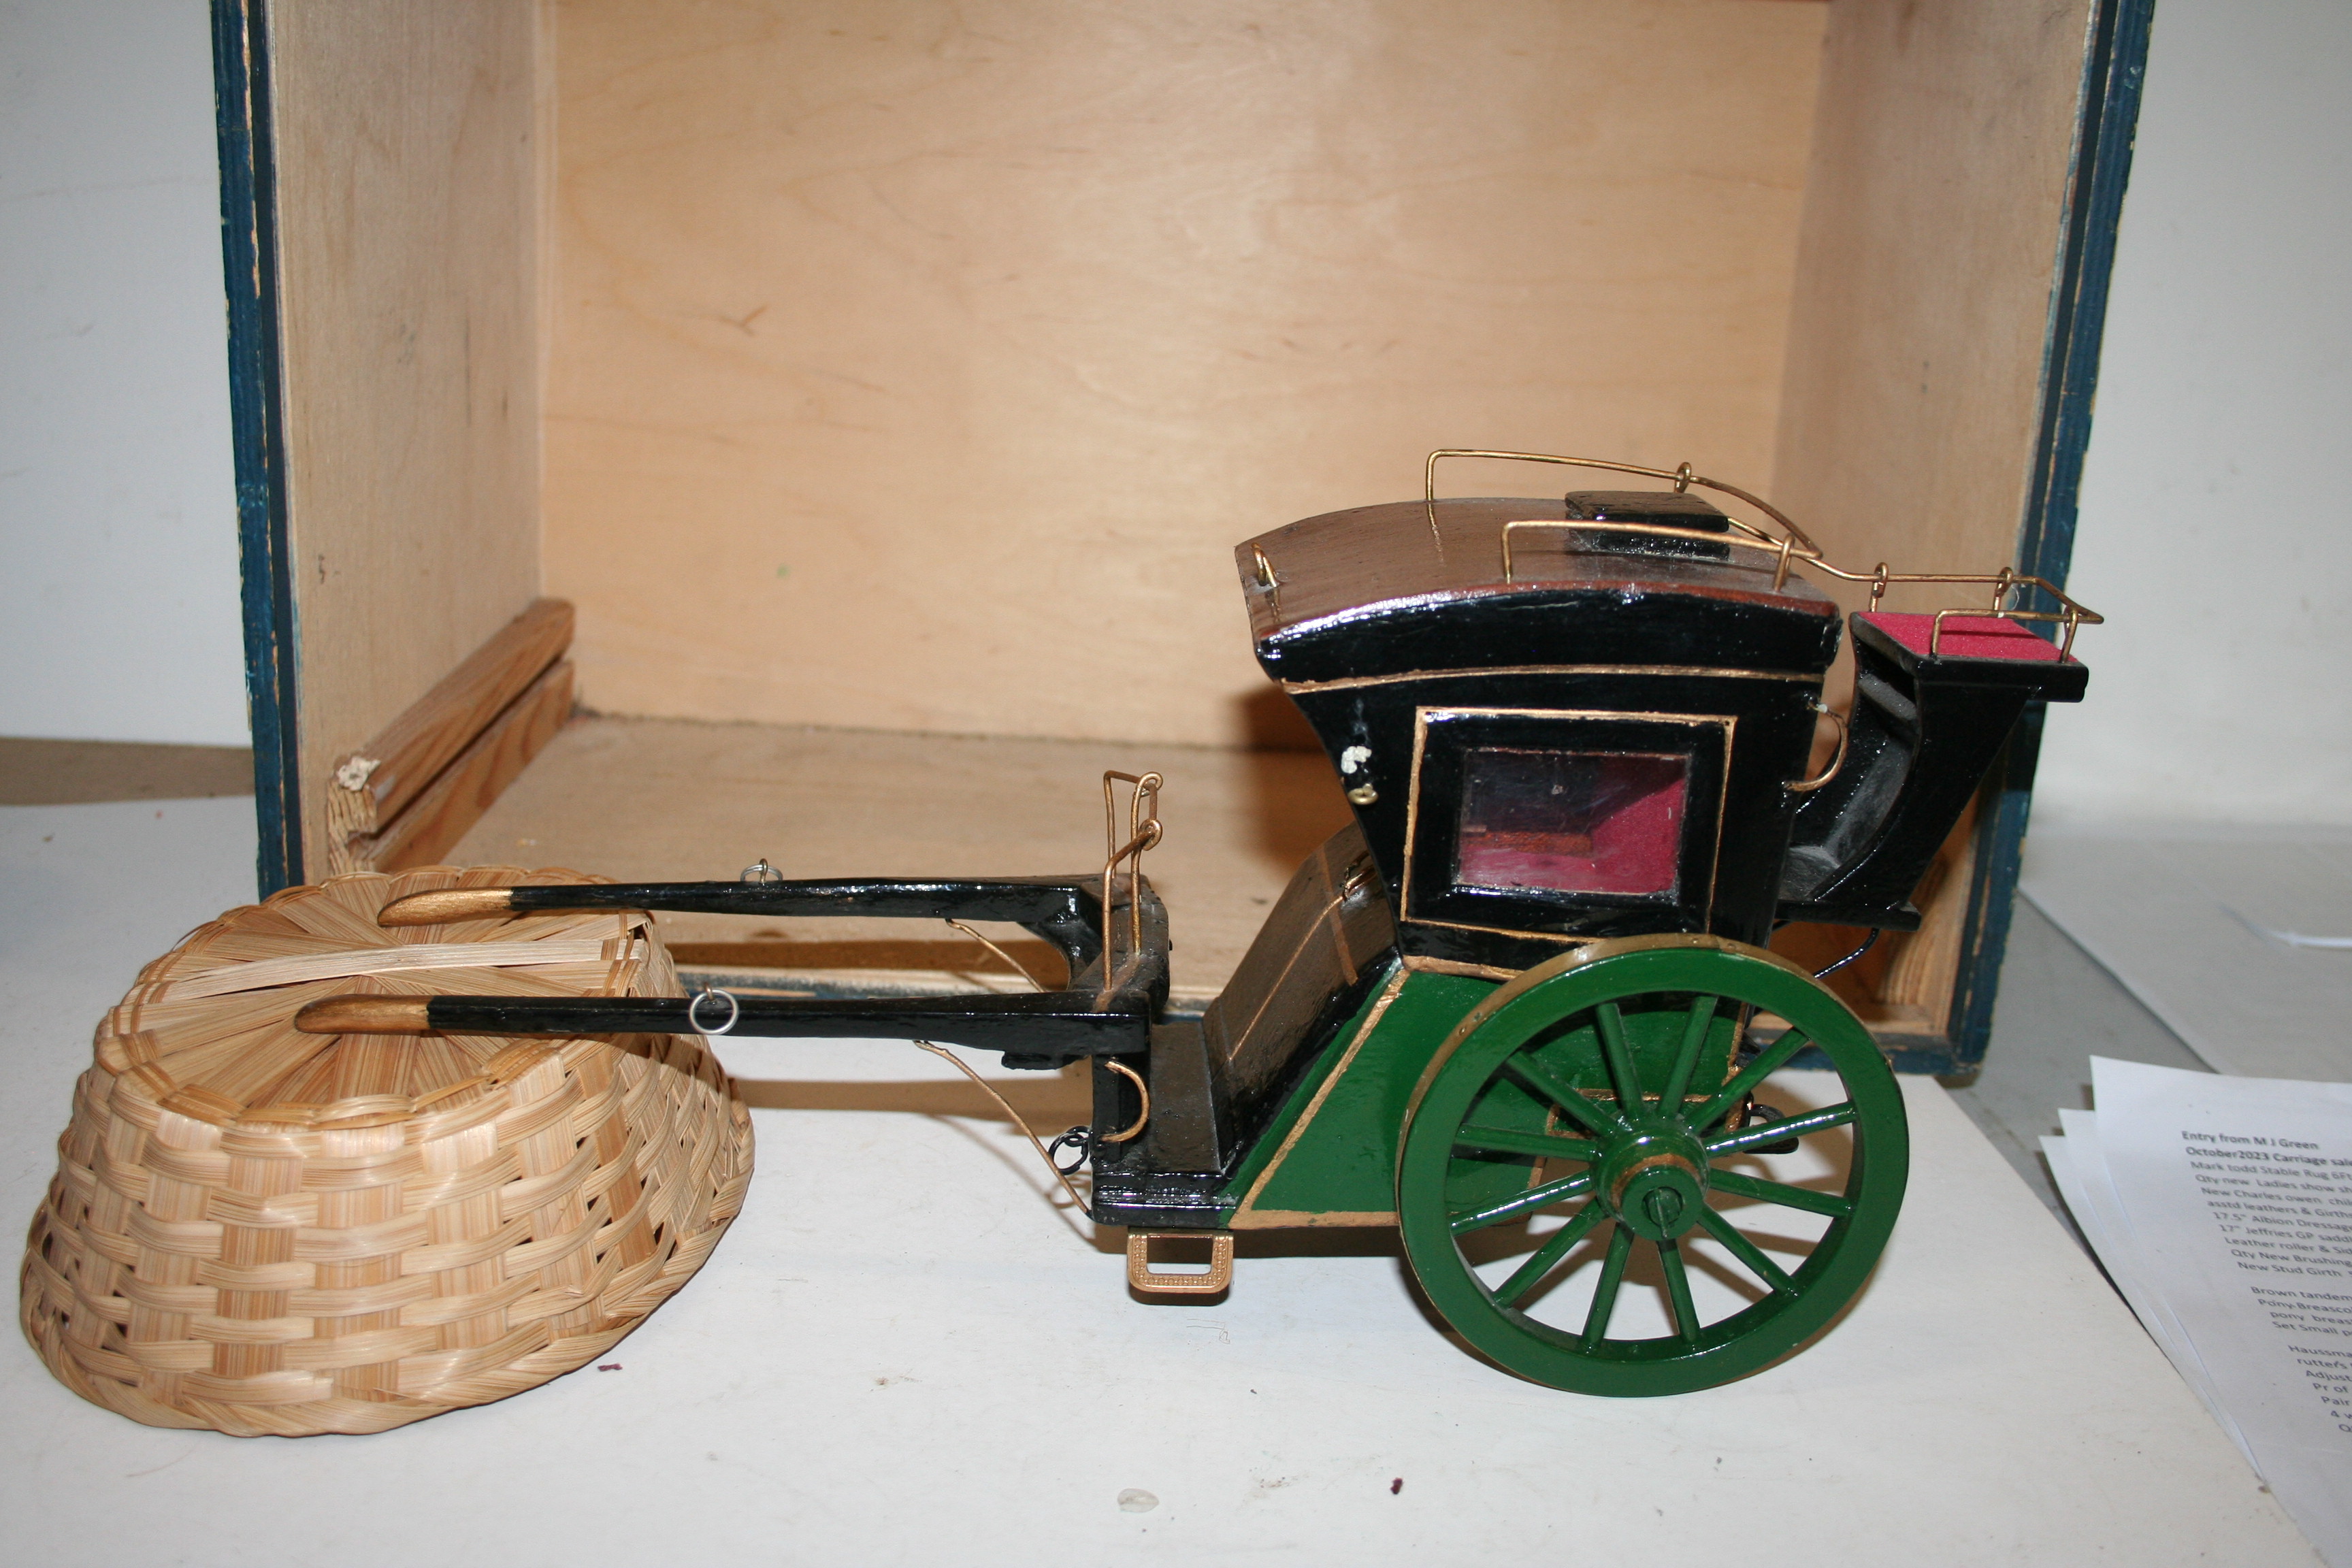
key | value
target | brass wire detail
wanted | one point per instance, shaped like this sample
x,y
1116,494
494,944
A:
x,y
1268,579
1144,832
1936,632
1144,1117
1249,1217
1002,957
1682,479
1845,735
1790,548
1011,1115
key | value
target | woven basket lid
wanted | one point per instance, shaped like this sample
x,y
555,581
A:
x,y
208,1029
264,1231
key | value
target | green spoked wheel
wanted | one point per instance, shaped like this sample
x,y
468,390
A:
x,y
1590,1196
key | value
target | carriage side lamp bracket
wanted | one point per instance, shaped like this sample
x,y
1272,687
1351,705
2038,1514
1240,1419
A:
x,y
1143,1275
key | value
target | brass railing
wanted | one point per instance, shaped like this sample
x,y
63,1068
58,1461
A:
x,y
1790,549
1142,832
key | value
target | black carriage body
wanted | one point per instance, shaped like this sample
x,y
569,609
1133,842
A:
x,y
1594,739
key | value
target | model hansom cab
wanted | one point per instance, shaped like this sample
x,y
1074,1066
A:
x,y
1522,1007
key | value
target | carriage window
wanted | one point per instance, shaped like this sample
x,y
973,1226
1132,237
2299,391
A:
x,y
1571,822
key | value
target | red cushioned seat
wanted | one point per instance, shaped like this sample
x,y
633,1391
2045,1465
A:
x,y
1966,636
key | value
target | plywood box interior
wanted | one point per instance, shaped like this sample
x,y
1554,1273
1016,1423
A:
x,y
892,365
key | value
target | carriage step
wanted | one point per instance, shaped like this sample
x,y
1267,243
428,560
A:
x,y
1143,1275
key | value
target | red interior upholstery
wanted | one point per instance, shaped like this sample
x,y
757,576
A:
x,y
1968,637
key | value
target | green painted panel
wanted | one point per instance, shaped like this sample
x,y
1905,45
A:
x,y
1344,1159
1262,1153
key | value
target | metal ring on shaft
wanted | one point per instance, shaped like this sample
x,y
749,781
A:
x,y
734,1012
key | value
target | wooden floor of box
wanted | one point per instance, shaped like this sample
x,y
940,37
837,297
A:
x,y
643,799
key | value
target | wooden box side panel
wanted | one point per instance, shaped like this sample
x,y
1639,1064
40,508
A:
x,y
406,147
917,367
1934,212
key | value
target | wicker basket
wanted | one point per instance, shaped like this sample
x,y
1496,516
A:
x,y
263,1231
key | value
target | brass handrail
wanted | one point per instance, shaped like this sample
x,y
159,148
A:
x,y
1144,832
1790,548
1682,476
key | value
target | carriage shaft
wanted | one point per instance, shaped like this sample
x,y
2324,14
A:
x,y
1041,1030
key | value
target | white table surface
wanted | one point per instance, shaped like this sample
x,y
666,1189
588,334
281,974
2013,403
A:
x,y
2178,913
901,1353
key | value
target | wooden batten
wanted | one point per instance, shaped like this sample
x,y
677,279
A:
x,y
411,792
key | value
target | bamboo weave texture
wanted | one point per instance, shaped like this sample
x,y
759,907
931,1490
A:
x,y
263,1231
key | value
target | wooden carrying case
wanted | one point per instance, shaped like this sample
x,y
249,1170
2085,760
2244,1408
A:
x,y
909,368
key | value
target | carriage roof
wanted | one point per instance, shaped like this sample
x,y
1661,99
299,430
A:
x,y
1377,591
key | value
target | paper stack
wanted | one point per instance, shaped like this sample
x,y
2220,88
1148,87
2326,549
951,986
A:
x,y
2222,1207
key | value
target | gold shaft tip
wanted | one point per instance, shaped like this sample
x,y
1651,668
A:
x,y
446,905
365,1016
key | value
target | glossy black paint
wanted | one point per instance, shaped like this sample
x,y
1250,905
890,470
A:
x,y
1064,910
1925,730
1218,1079
1384,629
1037,1030
1554,625
1688,511
1771,722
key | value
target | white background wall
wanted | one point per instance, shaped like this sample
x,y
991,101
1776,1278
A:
x,y
118,503
2215,535
2212,533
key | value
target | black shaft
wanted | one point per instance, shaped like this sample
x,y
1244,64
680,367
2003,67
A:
x,y
1064,910
1043,1028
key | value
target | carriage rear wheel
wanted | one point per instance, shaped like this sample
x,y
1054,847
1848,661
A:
x,y
1584,1200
